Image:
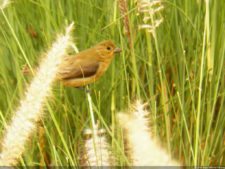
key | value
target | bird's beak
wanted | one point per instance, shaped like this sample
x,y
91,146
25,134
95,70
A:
x,y
117,50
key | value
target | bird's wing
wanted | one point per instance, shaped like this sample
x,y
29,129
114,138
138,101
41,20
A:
x,y
73,67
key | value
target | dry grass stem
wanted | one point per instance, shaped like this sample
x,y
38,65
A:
x,y
143,150
4,4
96,150
24,121
124,12
150,11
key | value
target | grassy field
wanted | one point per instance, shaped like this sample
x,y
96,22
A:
x,y
175,64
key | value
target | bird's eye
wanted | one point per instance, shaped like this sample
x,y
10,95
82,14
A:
x,y
108,48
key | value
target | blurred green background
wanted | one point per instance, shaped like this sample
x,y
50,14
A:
x,y
177,68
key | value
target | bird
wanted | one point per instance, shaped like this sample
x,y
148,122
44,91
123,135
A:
x,y
87,66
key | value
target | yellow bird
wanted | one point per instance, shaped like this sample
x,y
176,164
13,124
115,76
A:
x,y
87,66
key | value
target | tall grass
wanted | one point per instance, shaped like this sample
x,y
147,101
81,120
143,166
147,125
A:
x,y
30,112
178,69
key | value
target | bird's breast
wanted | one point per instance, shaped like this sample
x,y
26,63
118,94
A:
x,y
102,69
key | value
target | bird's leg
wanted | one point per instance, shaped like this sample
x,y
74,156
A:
x,y
87,89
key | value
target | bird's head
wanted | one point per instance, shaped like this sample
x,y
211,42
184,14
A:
x,y
106,49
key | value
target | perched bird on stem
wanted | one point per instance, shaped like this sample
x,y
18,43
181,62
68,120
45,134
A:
x,y
87,66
